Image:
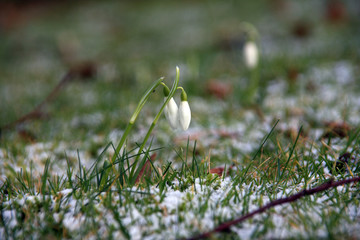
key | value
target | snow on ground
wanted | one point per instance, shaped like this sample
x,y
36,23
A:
x,y
332,84
142,225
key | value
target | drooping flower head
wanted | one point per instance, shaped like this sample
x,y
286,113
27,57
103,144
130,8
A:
x,y
171,109
251,54
184,111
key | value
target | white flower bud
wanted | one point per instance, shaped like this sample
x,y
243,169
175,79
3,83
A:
x,y
171,113
184,115
251,54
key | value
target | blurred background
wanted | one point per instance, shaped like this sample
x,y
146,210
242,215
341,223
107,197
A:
x,y
115,49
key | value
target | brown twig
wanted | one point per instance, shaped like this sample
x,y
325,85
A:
x,y
85,70
37,112
325,186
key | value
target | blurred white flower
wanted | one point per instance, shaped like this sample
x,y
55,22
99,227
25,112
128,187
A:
x,y
171,113
251,54
184,115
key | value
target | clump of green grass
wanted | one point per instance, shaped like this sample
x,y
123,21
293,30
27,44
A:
x,y
99,201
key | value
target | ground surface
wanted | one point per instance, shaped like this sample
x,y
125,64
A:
x,y
306,106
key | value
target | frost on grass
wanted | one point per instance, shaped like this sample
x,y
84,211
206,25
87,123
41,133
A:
x,y
183,213
325,94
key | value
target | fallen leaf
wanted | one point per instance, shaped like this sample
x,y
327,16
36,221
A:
x,y
335,11
146,169
336,129
220,170
219,89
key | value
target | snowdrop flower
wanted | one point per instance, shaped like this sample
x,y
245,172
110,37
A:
x,y
184,112
251,54
171,113
171,110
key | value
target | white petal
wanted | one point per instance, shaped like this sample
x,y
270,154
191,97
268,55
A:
x,y
184,115
171,113
251,54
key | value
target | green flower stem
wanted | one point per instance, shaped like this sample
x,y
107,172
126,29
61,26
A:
x,y
183,94
141,148
254,85
250,30
135,115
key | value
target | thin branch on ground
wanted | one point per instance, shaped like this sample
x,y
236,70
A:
x,y
82,71
307,192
